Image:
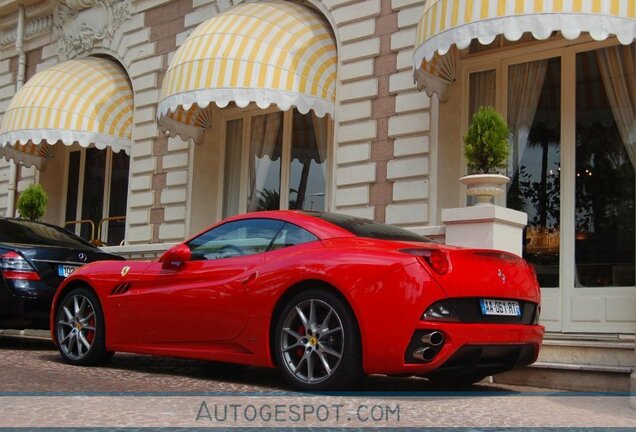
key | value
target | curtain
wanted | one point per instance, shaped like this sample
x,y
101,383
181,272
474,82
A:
x,y
482,90
618,73
320,129
266,140
309,145
525,83
232,173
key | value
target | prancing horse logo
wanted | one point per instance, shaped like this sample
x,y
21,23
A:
x,y
501,275
125,270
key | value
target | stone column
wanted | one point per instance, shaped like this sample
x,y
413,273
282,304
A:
x,y
485,226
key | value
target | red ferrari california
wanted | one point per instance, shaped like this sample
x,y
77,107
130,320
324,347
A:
x,y
323,297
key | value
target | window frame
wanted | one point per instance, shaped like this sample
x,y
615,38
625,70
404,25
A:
x,y
225,115
559,301
108,171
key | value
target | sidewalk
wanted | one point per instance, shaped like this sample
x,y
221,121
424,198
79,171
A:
x,y
545,410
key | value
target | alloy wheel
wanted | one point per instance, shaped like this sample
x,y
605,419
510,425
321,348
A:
x,y
76,326
312,341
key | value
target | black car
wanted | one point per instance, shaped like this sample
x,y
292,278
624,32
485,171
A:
x,y
35,258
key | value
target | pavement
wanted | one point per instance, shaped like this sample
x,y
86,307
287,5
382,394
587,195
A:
x,y
39,390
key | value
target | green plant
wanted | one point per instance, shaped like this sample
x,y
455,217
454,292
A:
x,y
32,202
486,142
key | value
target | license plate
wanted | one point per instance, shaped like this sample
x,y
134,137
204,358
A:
x,y
500,307
65,270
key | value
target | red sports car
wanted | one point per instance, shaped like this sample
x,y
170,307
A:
x,y
324,297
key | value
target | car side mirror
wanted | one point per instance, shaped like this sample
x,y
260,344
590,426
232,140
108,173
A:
x,y
176,256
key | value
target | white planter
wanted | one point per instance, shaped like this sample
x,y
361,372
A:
x,y
484,187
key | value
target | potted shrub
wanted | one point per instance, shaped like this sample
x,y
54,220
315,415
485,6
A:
x,y
32,202
486,150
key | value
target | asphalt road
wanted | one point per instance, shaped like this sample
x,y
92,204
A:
x,y
37,389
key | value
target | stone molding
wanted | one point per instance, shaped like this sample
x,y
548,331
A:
x,y
82,25
39,20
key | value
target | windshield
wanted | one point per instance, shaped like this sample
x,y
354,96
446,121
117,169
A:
x,y
34,233
369,229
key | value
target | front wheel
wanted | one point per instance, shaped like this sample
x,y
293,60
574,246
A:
x,y
317,342
80,328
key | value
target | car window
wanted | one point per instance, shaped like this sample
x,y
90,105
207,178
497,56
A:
x,y
244,237
34,233
362,227
291,235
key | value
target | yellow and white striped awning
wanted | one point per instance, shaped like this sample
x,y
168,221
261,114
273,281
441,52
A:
x,y
87,101
449,25
270,52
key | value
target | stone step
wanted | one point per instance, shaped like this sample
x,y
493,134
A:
x,y
587,352
32,334
578,363
588,379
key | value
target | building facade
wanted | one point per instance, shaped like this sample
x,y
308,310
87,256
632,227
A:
x,y
148,120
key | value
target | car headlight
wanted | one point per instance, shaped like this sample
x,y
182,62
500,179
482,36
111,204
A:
x,y
440,311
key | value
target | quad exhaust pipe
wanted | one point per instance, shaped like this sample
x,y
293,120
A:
x,y
424,353
432,341
433,338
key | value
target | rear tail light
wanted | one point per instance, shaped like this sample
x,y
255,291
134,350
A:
x,y
14,266
434,258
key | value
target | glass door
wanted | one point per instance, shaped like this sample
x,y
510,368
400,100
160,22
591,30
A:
x,y
601,296
573,124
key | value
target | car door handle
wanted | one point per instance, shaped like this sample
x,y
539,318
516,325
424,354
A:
x,y
249,278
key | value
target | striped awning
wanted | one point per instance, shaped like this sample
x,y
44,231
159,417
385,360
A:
x,y
87,101
449,25
270,52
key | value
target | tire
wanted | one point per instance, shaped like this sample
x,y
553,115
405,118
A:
x,y
309,359
79,327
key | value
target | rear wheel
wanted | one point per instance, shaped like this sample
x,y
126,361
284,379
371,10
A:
x,y
317,343
80,328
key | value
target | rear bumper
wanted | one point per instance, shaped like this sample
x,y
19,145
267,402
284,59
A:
x,y
487,348
25,307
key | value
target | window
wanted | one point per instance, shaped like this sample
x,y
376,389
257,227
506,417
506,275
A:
x,y
35,233
274,160
605,135
362,227
534,113
292,235
571,112
96,193
245,237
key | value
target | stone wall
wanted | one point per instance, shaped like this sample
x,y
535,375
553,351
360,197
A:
x,y
381,167
382,142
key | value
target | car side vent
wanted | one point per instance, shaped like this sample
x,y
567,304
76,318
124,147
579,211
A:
x,y
120,288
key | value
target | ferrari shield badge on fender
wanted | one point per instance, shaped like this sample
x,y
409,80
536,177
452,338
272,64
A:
x,y
124,271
